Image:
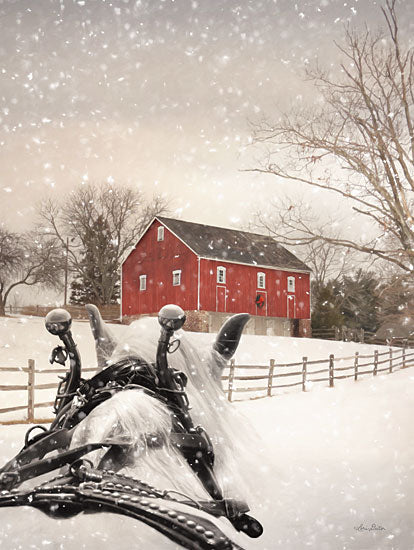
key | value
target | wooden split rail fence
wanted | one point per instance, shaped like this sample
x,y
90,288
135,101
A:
x,y
304,373
30,387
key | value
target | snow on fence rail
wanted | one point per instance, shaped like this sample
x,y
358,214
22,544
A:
x,y
303,373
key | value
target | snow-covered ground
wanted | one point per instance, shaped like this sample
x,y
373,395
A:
x,y
22,338
335,460
26,337
339,459
336,466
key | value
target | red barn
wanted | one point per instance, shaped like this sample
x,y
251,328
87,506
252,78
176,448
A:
x,y
212,272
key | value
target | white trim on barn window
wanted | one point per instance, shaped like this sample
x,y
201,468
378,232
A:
x,y
143,282
160,233
221,275
176,277
261,280
291,284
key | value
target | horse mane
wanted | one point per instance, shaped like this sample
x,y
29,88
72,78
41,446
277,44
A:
x,y
228,430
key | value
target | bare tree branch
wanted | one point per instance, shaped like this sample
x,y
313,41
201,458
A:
x,y
293,224
28,259
101,222
358,141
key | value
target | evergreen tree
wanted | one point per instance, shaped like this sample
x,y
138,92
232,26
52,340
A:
x,y
327,307
397,297
360,300
354,301
98,259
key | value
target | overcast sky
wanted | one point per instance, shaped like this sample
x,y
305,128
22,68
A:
x,y
155,93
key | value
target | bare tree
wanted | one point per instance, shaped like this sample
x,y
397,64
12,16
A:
x,y
28,259
293,223
357,141
96,225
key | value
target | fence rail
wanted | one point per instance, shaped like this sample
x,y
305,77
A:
x,y
238,379
108,312
347,334
31,387
379,362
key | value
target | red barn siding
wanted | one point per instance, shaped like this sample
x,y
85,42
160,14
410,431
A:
x,y
241,290
157,260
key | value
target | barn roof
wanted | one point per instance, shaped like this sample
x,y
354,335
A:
x,y
232,245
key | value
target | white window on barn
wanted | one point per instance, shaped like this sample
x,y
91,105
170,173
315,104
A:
x,y
160,234
221,275
261,280
291,284
143,282
176,277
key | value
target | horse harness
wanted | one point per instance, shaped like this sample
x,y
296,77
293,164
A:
x,y
82,487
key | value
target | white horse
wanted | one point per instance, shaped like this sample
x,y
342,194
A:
x,y
133,414
136,417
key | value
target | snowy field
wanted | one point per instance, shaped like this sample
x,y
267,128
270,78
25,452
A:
x,y
22,338
334,468
26,337
334,460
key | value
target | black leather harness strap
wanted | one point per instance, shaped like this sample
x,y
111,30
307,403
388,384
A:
x,y
82,489
41,445
17,475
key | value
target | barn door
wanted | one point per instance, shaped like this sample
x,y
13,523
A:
x,y
221,298
291,306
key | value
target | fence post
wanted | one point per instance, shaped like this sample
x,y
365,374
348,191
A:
x,y
356,365
30,390
362,336
337,333
270,381
374,372
231,380
331,370
403,355
304,364
390,359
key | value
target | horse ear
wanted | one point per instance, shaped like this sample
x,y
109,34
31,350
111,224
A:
x,y
229,336
105,342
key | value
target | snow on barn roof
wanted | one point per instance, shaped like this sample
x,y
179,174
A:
x,y
233,245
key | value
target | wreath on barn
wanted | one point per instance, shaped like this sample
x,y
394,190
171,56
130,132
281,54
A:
x,y
260,300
